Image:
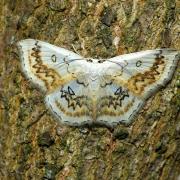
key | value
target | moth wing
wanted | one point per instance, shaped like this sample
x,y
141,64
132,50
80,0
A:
x,y
128,80
117,105
144,72
47,65
71,104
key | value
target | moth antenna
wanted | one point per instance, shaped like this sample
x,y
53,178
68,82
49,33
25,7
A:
x,y
75,49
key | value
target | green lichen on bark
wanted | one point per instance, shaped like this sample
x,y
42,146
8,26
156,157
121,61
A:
x,y
34,146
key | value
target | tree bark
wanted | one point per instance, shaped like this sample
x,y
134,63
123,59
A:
x,y
34,146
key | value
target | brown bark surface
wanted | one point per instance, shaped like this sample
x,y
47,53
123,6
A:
x,y
34,146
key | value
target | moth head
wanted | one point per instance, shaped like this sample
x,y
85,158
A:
x,y
91,60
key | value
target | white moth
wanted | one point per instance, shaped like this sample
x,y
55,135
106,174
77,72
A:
x,y
81,91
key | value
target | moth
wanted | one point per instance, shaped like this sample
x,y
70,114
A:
x,y
86,91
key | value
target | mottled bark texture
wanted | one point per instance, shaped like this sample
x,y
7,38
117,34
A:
x,y
34,146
